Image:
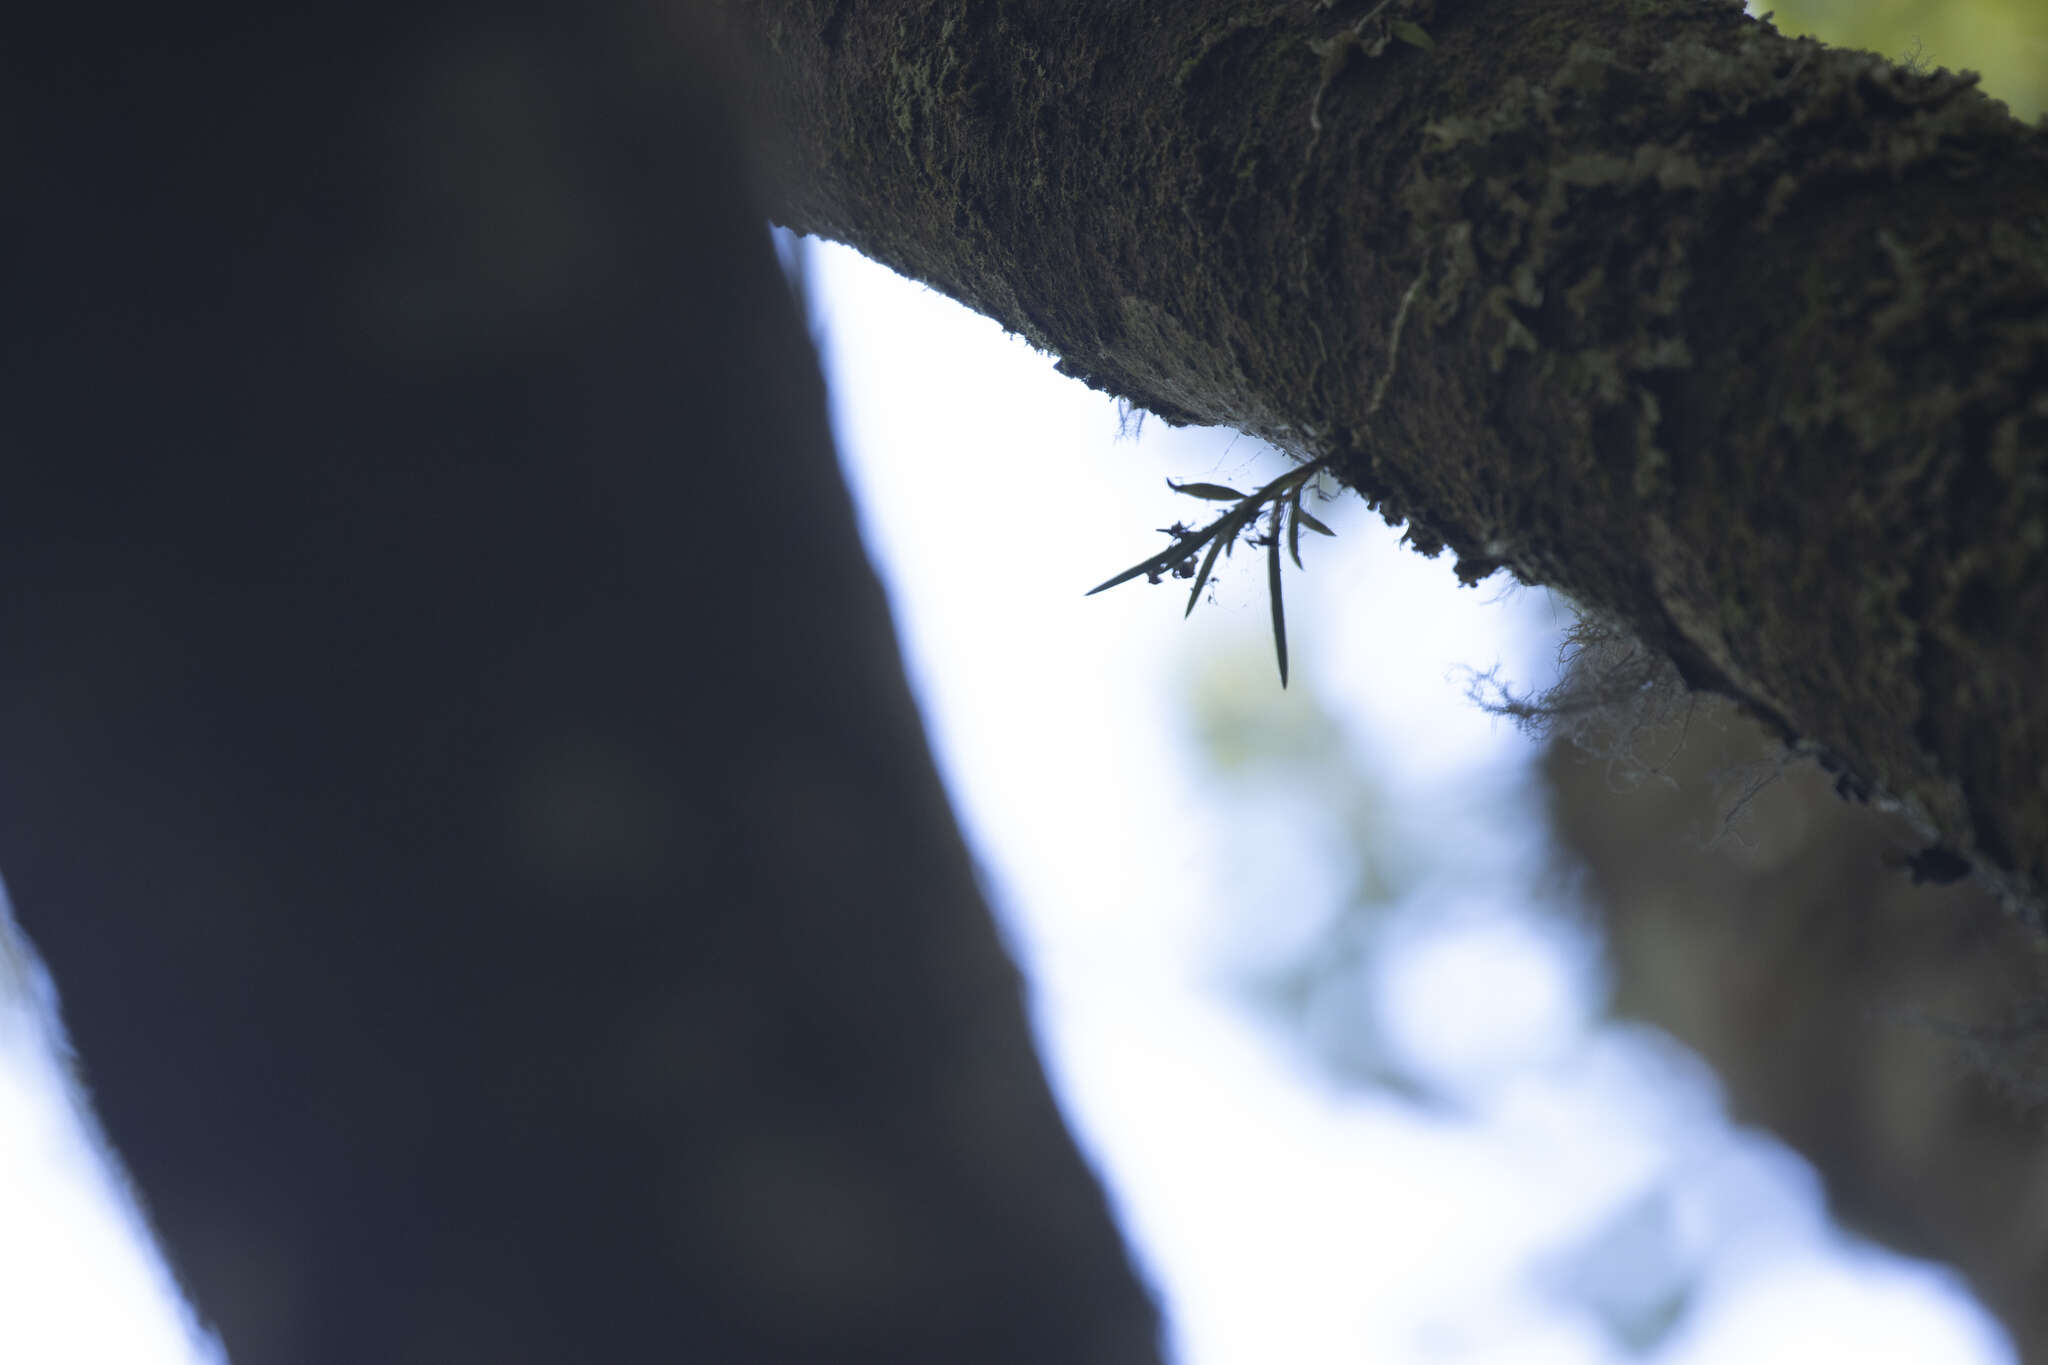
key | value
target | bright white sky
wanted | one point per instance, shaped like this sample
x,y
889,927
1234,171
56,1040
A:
x,y
1579,1171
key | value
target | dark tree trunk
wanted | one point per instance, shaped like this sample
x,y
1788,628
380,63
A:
x,y
454,756
1740,341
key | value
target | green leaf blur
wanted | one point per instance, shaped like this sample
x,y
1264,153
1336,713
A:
x,y
2005,41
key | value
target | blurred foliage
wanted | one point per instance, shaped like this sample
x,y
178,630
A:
x,y
1317,813
2005,41
1880,1028
1636,1274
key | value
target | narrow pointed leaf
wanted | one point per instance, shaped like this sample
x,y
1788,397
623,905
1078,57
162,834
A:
x,y
1273,586
1126,576
1225,533
1294,529
1308,520
1162,562
1214,492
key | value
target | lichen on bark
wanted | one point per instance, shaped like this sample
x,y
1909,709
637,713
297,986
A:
x,y
1738,339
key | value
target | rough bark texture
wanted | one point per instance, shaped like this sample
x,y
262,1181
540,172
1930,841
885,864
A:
x,y
453,753
1740,341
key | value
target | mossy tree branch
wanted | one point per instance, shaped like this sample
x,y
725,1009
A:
x,y
1739,340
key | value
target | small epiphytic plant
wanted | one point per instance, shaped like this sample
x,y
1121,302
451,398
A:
x,y
1278,503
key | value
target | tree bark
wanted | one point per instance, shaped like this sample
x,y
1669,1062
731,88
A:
x,y
453,752
1740,341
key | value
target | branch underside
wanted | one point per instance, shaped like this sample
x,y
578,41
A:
x,y
1738,340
